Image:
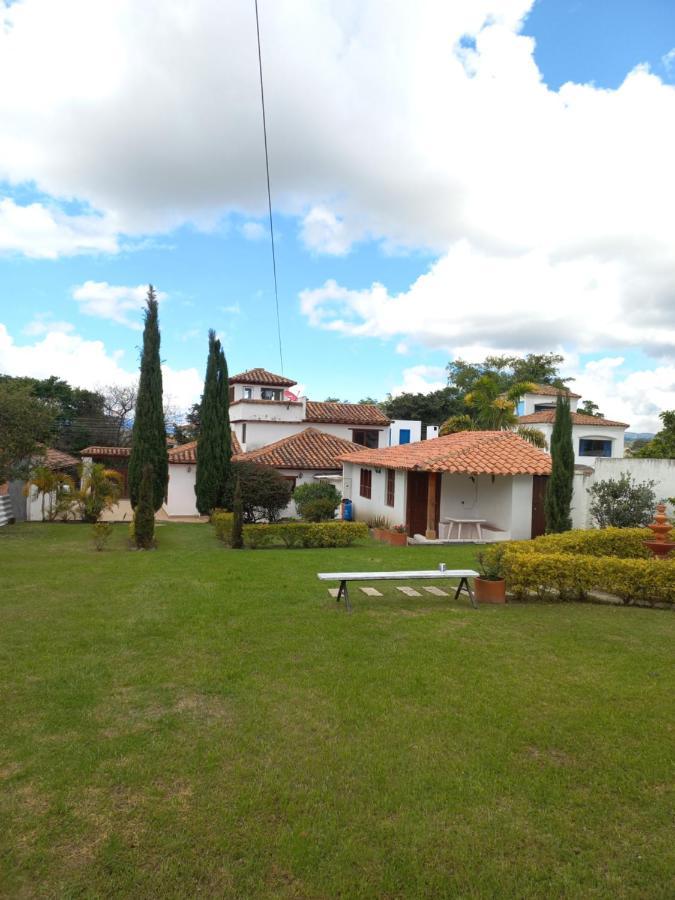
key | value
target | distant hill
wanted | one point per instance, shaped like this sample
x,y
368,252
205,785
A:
x,y
631,436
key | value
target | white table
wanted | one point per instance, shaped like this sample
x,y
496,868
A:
x,y
449,521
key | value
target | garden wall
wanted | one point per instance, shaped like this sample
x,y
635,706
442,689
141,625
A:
x,y
662,471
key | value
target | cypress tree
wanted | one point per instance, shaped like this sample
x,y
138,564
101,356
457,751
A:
x,y
148,442
144,514
214,444
238,518
558,503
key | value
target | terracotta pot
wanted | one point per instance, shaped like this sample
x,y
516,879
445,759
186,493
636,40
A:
x,y
490,591
396,538
378,534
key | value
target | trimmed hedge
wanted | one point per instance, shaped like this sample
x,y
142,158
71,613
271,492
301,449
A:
x,y
539,568
305,534
223,522
624,543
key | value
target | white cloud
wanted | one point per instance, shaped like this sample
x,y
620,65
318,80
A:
x,y
421,380
88,364
471,300
324,232
46,233
42,323
253,231
668,60
118,303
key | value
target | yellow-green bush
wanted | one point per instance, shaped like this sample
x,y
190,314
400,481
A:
x,y
222,522
550,575
624,543
305,534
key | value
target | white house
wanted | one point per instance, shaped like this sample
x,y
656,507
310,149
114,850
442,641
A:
x,y
404,431
492,478
263,410
592,436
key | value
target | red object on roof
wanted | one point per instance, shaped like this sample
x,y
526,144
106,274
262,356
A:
x,y
345,413
261,376
548,417
467,452
308,449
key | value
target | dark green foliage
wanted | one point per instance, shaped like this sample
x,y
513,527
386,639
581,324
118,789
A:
x,y
305,534
148,442
306,495
144,514
539,368
662,445
558,503
214,442
237,540
431,409
264,492
25,423
589,408
622,502
189,430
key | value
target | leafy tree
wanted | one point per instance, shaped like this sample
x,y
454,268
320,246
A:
x,y
119,402
26,424
214,444
558,501
100,489
622,502
588,408
431,409
144,514
238,517
662,445
537,368
264,492
371,401
189,429
148,443
307,496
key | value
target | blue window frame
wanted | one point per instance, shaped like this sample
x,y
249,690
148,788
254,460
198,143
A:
x,y
404,436
591,447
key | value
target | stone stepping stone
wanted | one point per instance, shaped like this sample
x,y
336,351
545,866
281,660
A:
x,y
409,591
370,592
436,591
333,591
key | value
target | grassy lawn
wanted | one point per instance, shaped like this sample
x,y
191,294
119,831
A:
x,y
196,721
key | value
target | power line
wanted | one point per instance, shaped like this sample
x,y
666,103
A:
x,y
269,192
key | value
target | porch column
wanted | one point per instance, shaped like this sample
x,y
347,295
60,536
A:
x,y
432,512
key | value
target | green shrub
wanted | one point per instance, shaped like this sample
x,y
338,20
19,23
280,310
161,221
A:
x,y
264,492
101,534
320,510
222,522
554,575
302,534
624,543
623,502
317,501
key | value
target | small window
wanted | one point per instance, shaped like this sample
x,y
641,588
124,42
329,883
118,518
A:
x,y
366,487
230,393
248,393
404,436
366,438
243,433
390,490
270,394
590,447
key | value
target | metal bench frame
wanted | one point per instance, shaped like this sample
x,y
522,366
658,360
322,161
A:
x,y
427,574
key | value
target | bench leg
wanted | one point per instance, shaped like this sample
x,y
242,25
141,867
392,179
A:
x,y
343,592
464,583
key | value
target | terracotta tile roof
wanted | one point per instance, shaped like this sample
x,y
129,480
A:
x,y
550,390
345,413
261,376
187,453
309,449
548,417
468,452
57,459
106,451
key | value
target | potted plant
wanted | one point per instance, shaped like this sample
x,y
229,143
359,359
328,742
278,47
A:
x,y
397,536
490,587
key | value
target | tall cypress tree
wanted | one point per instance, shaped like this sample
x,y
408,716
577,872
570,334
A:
x,y
149,432
558,503
214,445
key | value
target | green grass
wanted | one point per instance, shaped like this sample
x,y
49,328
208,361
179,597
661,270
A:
x,y
196,721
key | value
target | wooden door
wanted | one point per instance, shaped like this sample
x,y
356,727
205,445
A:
x,y
416,502
539,483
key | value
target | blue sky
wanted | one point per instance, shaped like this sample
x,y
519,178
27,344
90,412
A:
x,y
362,197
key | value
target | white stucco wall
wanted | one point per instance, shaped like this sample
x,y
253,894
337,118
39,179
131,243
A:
x,y
181,499
529,401
364,509
479,499
414,426
261,433
521,507
593,432
662,471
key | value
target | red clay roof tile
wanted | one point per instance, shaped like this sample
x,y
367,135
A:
x,y
308,449
345,413
548,417
261,376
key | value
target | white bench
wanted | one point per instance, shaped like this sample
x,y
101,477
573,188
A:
x,y
428,574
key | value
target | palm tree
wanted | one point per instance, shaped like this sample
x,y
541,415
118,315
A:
x,y
49,484
494,410
100,489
